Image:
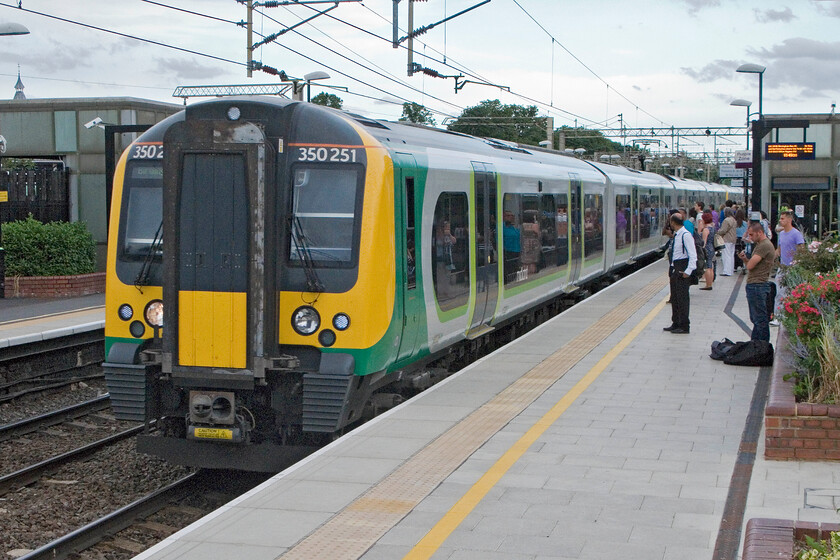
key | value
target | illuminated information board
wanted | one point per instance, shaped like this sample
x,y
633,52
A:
x,y
789,150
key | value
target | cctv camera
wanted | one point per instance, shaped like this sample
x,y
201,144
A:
x,y
95,122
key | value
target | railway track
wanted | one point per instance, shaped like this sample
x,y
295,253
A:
x,y
32,473
133,528
71,412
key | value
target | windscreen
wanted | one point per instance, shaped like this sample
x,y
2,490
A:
x,y
325,215
143,211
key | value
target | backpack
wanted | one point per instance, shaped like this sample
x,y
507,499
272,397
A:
x,y
720,349
750,353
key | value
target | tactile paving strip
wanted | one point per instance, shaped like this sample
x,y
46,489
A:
x,y
352,531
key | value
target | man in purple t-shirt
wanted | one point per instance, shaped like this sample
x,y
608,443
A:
x,y
789,239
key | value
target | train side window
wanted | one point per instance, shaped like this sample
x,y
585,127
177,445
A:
x,y
644,216
410,266
593,224
450,255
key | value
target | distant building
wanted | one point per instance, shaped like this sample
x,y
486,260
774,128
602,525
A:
x,y
53,129
19,88
805,177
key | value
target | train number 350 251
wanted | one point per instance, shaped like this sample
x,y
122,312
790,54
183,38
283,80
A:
x,y
147,151
340,155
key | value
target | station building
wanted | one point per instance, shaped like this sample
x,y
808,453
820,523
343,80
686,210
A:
x,y
52,132
799,169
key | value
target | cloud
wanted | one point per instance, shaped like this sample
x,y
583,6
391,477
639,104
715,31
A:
x,y
63,58
799,47
829,8
186,69
813,66
770,16
717,70
695,6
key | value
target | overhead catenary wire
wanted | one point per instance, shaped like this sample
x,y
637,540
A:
x,y
119,34
582,63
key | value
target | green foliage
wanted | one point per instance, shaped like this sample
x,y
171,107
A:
x,y
328,100
822,550
53,249
590,140
416,113
491,119
18,164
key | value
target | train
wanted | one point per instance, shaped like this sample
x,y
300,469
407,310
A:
x,y
276,269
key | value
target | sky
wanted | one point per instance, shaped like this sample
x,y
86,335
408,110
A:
x,y
584,62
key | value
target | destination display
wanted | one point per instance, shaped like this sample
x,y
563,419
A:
x,y
789,150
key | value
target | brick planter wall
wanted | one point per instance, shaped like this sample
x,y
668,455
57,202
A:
x,y
774,538
55,286
800,431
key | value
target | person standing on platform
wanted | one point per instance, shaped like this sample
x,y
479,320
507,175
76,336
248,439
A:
x,y
759,266
727,231
707,233
683,263
789,239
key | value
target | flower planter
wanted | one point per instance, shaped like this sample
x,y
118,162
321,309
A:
x,y
800,431
774,538
55,286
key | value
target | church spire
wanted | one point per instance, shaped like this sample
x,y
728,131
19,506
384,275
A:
x,y
19,87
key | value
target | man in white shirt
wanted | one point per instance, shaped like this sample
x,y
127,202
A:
x,y
683,262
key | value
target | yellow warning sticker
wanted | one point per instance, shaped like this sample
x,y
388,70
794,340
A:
x,y
213,433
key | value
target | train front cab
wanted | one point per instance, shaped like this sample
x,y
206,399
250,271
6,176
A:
x,y
268,317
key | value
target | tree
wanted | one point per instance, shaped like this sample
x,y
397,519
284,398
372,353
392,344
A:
x,y
328,100
590,140
491,119
416,113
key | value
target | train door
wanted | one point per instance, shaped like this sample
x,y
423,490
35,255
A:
x,y
214,227
484,248
411,302
575,226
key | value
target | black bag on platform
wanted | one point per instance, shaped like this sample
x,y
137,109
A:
x,y
720,348
750,353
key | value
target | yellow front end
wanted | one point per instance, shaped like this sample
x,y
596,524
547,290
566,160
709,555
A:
x,y
370,302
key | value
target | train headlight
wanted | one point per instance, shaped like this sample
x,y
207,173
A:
x,y
233,113
341,321
305,320
154,313
125,312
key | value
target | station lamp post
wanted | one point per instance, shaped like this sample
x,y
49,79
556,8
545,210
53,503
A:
x,y
747,104
6,29
317,75
758,132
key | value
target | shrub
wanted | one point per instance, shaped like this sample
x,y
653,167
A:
x,y
53,249
822,550
811,316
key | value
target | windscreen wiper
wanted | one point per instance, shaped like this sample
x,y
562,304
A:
x,y
143,276
313,283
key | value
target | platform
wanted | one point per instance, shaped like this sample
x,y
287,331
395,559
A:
x,y
597,435
25,320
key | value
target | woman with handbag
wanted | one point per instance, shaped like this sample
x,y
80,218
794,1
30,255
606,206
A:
x,y
707,233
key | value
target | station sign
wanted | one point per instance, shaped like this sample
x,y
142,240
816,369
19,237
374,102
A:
x,y
789,150
743,159
728,170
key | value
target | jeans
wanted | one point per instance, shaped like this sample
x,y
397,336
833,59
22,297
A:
x,y
757,298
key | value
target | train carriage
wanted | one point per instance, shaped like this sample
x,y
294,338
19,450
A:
x,y
275,268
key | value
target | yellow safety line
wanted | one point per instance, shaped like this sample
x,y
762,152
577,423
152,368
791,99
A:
x,y
62,314
433,540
